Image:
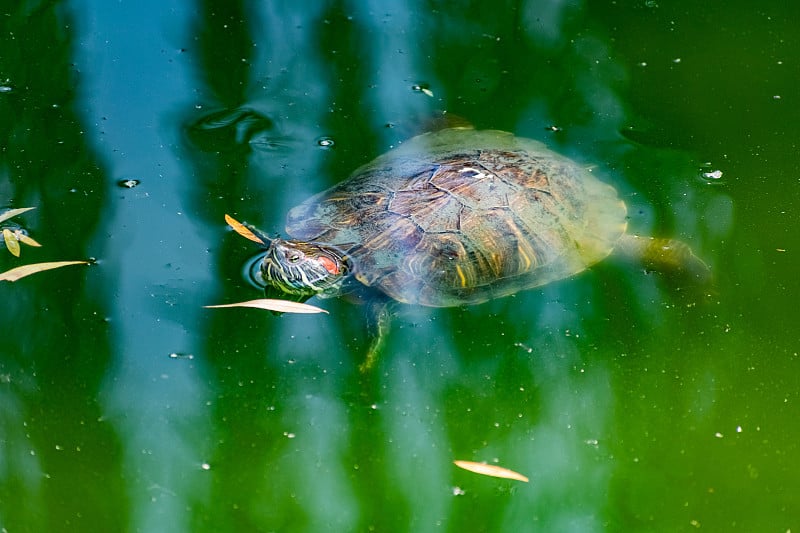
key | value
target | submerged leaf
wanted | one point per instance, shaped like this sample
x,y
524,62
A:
x,y
490,470
269,304
242,230
14,212
20,272
12,243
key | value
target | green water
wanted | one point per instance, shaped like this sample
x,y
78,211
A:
x,y
632,401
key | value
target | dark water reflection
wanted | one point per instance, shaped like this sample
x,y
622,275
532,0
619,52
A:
x,y
632,400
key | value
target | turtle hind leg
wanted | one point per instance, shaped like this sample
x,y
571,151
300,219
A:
x,y
665,255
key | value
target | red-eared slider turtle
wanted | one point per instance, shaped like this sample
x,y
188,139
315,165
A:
x,y
458,217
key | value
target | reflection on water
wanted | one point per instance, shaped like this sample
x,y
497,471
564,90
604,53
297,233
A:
x,y
55,344
632,402
227,129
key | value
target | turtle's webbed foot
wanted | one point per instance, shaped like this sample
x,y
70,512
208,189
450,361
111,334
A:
x,y
667,255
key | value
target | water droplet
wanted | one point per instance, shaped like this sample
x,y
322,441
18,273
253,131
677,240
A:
x,y
128,183
325,142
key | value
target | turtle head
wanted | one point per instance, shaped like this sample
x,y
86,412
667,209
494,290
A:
x,y
304,268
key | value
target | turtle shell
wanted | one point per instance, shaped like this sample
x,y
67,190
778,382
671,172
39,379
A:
x,y
461,216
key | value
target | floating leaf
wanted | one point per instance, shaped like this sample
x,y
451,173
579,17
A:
x,y
490,470
12,243
26,239
269,304
242,230
14,212
20,272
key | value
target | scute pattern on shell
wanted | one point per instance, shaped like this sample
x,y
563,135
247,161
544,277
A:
x,y
461,216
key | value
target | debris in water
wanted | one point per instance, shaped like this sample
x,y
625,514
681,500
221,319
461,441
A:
x,y
490,470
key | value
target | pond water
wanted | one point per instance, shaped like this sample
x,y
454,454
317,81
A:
x,y
633,401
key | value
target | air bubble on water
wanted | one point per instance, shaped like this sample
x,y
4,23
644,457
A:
x,y
325,142
712,175
423,88
129,183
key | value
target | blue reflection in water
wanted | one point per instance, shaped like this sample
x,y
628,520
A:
x,y
152,262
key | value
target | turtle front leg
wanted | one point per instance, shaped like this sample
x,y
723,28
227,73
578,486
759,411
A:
x,y
379,326
665,255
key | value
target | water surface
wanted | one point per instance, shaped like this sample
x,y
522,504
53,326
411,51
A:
x,y
632,400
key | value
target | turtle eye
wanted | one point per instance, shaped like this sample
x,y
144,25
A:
x,y
293,258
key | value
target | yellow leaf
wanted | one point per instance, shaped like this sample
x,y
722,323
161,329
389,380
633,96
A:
x,y
281,306
11,242
243,230
14,212
20,272
490,470
26,239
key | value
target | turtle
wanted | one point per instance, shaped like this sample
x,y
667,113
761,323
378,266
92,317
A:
x,y
457,217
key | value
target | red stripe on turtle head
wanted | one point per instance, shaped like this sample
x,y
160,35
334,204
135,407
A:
x,y
329,264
